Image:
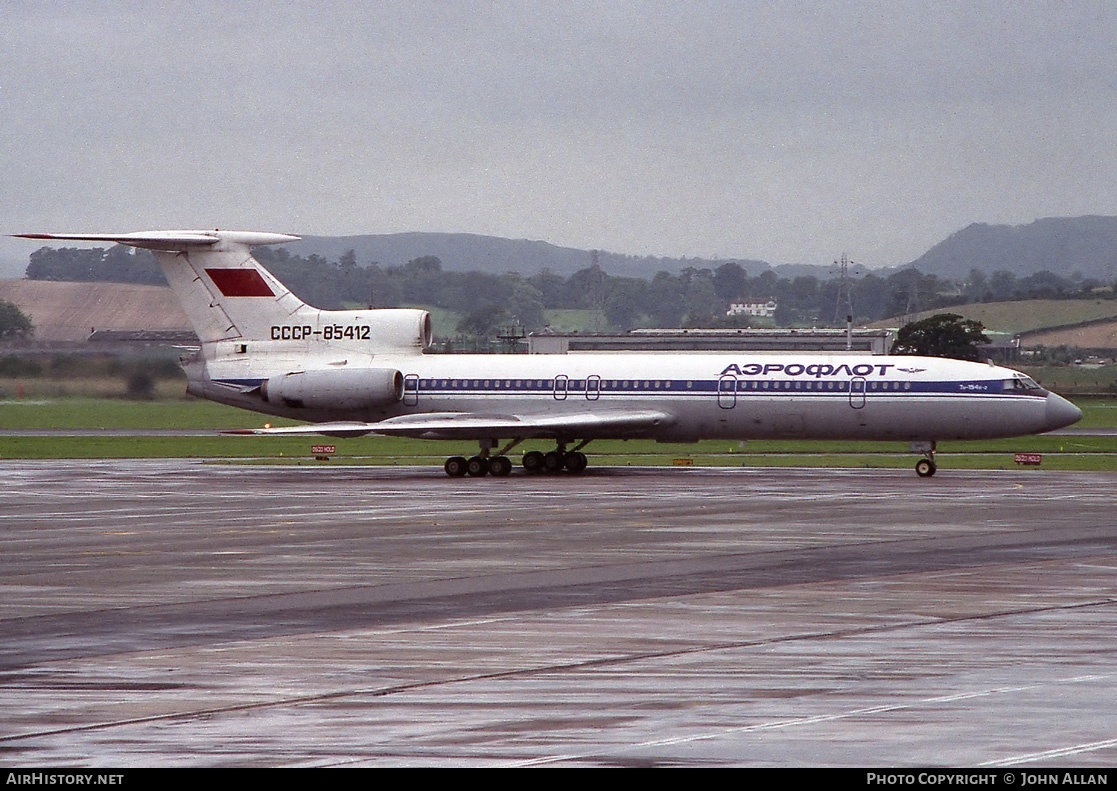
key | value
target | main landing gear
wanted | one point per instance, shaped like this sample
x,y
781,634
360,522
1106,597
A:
x,y
478,466
500,466
926,466
556,461
484,463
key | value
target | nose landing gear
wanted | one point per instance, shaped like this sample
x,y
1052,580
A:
x,y
926,466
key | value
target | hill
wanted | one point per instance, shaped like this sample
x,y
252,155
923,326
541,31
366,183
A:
x,y
1098,335
1063,245
463,252
67,311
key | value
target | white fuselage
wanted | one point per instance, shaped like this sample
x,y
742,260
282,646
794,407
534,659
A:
x,y
706,395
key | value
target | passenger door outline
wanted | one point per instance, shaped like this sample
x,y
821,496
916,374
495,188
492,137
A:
x,y
593,387
562,385
857,392
411,390
727,391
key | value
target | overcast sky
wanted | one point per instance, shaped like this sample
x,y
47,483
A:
x,y
784,131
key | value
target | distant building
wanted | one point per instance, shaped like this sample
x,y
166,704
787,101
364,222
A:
x,y
767,309
858,341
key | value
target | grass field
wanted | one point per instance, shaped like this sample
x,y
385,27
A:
x,y
111,413
576,320
1074,379
1033,314
122,417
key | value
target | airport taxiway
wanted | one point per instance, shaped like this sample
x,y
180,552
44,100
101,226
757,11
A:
x,y
173,612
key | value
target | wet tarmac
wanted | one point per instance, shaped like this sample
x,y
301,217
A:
x,y
183,613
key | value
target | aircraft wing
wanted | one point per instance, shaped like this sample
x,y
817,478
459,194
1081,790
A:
x,y
470,425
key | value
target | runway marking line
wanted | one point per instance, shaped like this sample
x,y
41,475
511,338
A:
x,y
606,662
1061,752
818,718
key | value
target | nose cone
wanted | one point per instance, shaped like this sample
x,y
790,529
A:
x,y
1061,412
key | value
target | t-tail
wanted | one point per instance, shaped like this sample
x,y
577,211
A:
x,y
254,332
229,297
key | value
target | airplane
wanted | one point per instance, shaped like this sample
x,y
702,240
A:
x,y
351,373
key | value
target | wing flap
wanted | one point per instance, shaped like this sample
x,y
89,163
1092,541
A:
x,y
337,429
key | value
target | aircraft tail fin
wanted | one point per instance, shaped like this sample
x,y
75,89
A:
x,y
229,296
226,293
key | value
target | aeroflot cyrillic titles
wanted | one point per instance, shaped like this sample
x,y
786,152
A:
x,y
356,372
817,370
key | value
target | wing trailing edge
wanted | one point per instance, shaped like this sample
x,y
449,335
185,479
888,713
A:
x,y
336,429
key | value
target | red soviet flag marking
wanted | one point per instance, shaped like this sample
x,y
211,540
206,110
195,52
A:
x,y
240,283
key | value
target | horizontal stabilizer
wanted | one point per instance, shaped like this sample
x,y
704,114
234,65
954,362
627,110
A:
x,y
168,240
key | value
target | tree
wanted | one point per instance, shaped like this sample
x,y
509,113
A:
x,y
942,335
119,264
730,282
1001,286
666,302
622,306
701,299
525,303
976,287
485,322
552,287
587,288
14,323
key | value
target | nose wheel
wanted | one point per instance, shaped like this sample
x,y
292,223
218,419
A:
x,y
926,466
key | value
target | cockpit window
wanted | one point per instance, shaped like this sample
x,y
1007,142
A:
x,y
1020,384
